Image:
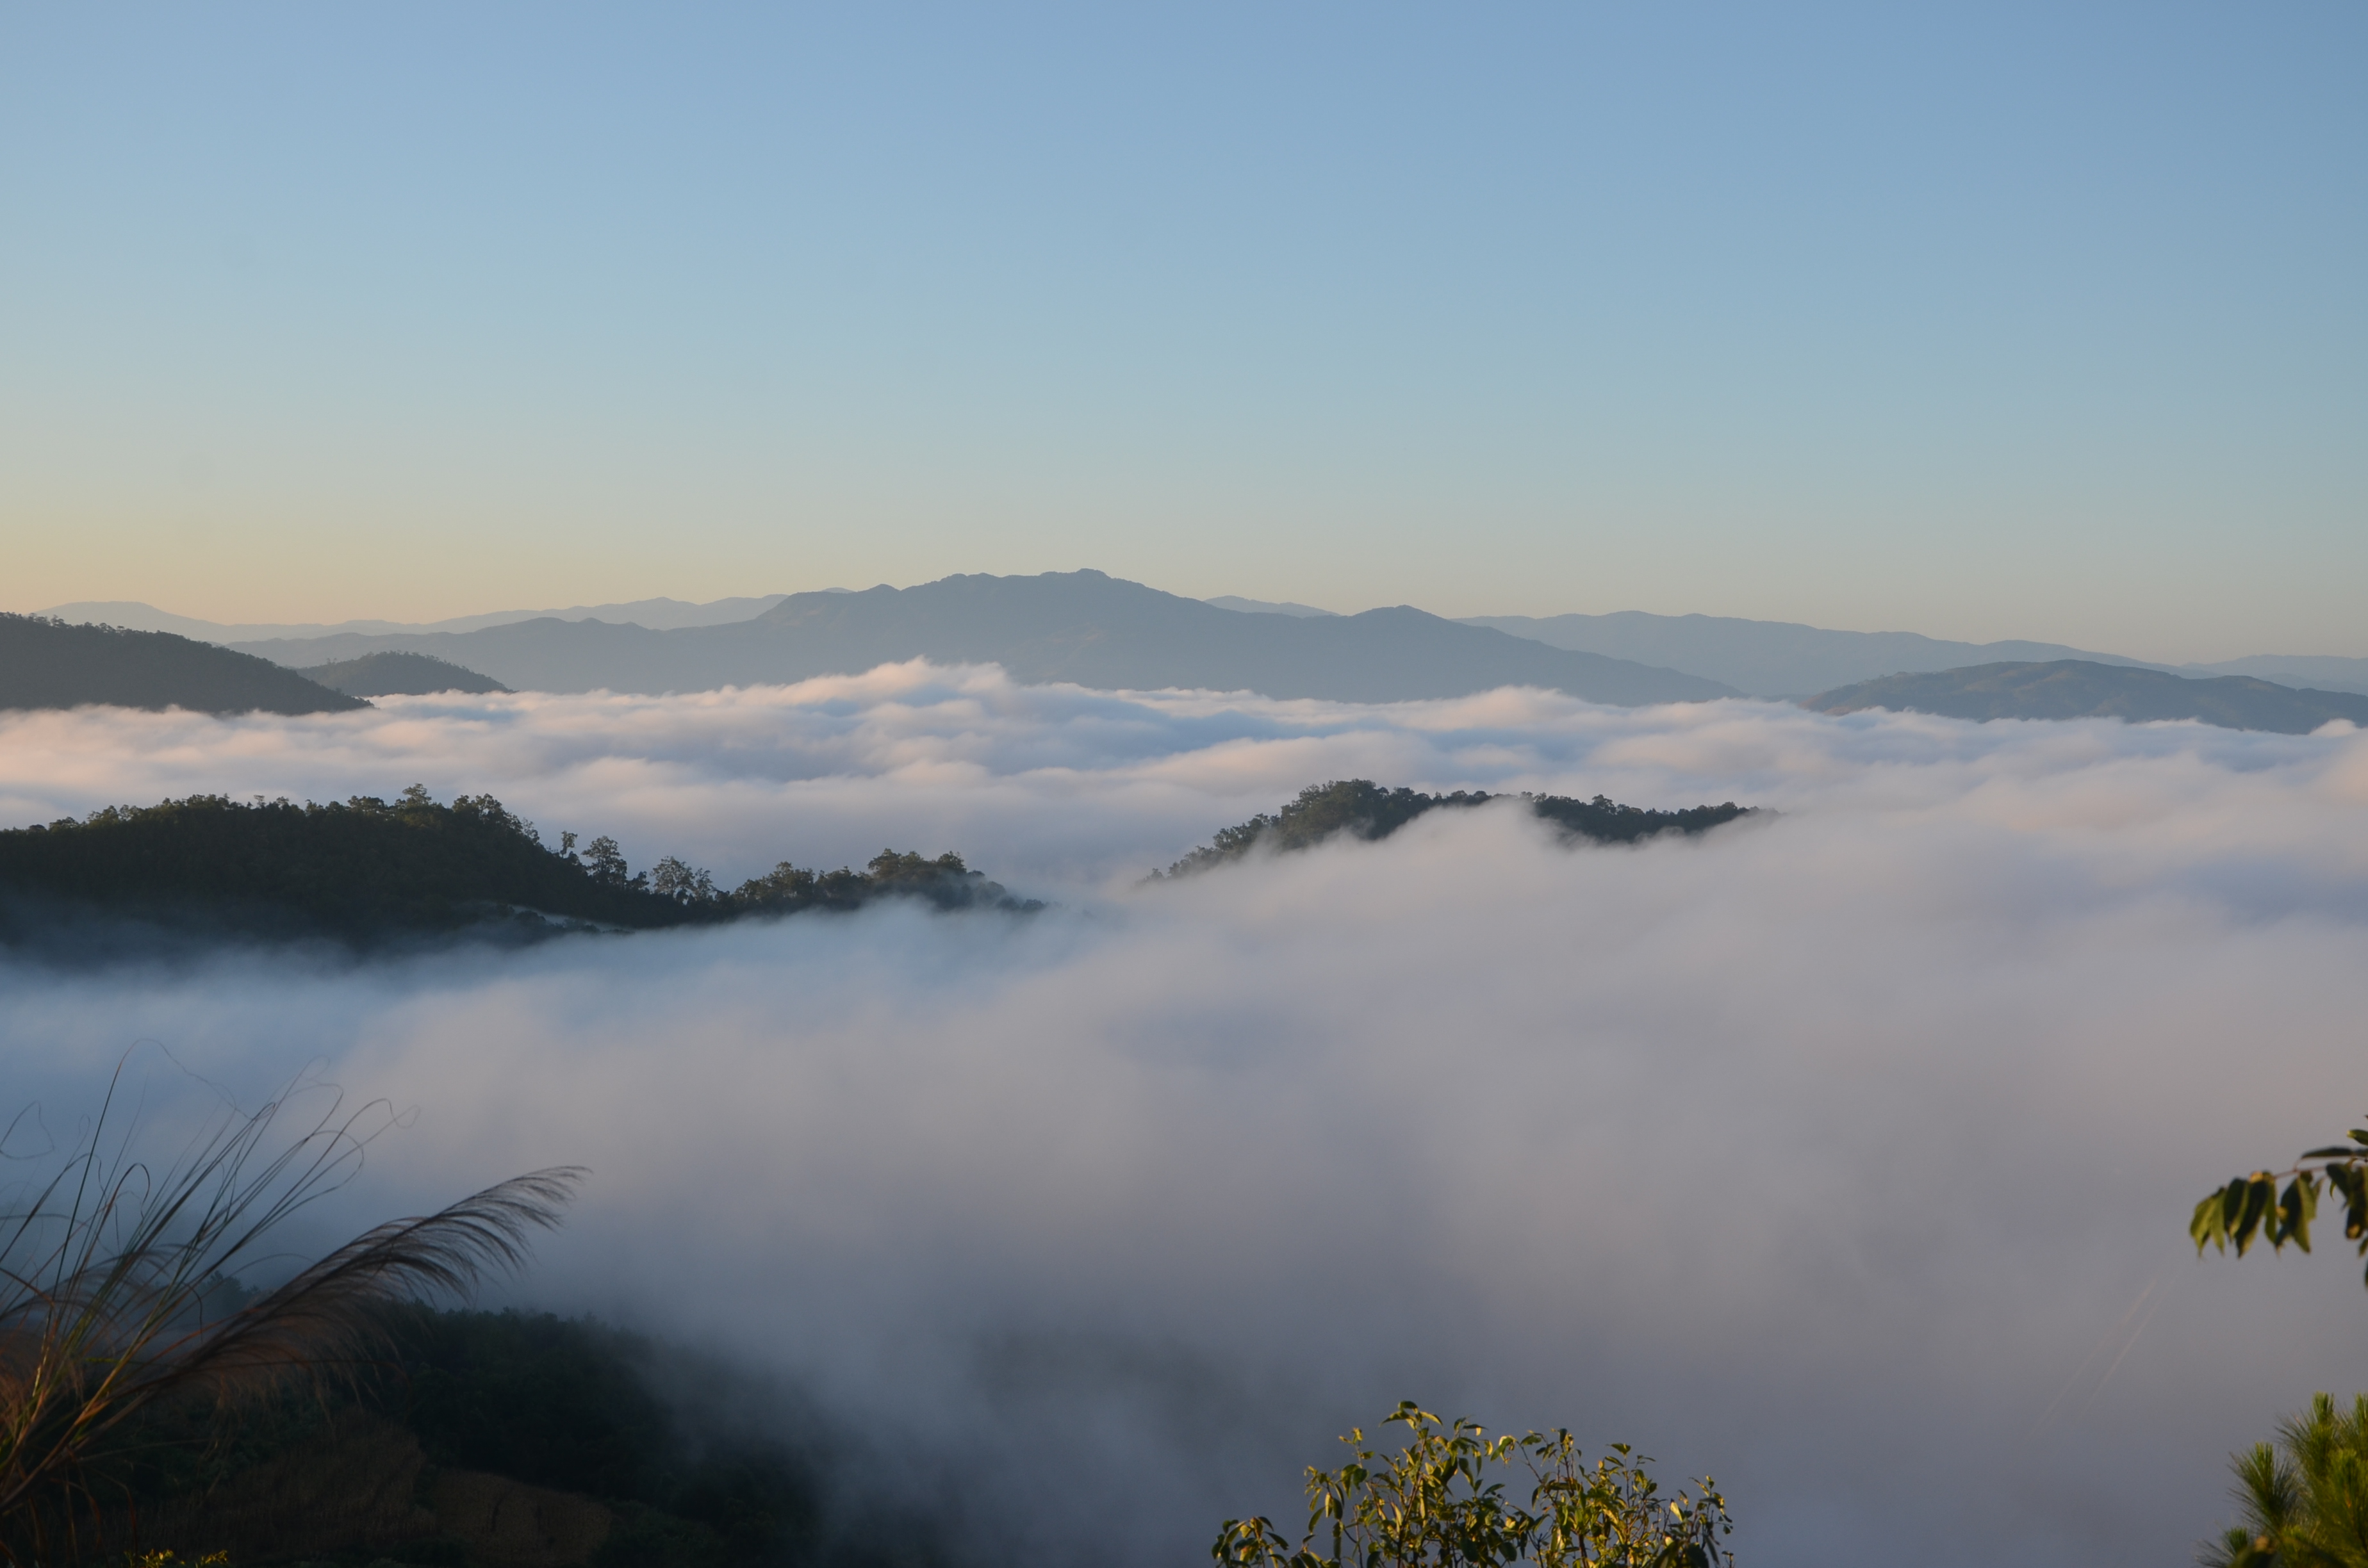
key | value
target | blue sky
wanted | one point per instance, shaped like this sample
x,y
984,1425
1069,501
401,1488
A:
x,y
2008,320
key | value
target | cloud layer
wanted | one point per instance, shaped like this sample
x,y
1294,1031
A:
x,y
1845,1156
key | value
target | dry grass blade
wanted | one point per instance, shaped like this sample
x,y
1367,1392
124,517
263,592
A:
x,y
324,1313
110,1272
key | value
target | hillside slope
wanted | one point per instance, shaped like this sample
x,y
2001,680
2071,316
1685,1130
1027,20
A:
x,y
2078,689
399,675
2315,672
1083,627
1768,658
48,664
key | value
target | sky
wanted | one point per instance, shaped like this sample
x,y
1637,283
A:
x,y
2012,321
1844,1153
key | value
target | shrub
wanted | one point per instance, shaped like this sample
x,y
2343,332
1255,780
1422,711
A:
x,y
1436,1503
2305,1502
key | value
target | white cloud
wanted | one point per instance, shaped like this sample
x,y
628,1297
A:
x,y
1817,1153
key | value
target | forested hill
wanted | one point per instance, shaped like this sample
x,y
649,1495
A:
x,y
458,1423
2076,688
1363,808
48,664
399,675
365,869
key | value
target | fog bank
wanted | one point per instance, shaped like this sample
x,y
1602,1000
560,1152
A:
x,y
1845,1155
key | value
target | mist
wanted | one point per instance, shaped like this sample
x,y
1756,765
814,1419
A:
x,y
1845,1153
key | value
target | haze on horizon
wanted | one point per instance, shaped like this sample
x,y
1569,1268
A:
x,y
2007,324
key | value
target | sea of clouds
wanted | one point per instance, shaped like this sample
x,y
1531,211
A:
x,y
1845,1153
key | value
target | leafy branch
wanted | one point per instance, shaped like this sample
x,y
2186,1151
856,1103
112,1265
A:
x,y
2250,1208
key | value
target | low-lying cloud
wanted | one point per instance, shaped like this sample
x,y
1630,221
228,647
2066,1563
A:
x,y
1845,1155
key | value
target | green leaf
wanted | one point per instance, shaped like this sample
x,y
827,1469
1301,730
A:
x,y
2256,1196
2231,1204
2206,1226
2294,1212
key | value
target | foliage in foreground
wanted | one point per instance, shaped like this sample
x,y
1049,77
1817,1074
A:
x,y
1437,1503
366,866
119,1293
2250,1208
2303,1503
1363,808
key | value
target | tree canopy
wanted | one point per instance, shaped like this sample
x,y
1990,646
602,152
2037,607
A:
x,y
2304,1501
1438,1502
366,868
1363,808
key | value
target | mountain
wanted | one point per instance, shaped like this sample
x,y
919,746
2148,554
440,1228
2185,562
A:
x,y
659,613
1766,658
1084,627
1779,658
2324,672
1265,606
46,664
1761,658
398,675
2080,689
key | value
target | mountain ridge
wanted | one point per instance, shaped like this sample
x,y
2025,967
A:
x,y
1759,658
659,614
46,664
2077,688
1084,627
1787,659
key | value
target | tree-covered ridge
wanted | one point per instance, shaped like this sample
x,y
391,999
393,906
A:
x,y
589,1427
1363,808
48,664
399,675
366,866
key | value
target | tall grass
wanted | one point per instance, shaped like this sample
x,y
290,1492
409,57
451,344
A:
x,y
120,1287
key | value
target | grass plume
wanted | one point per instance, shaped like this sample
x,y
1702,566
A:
x,y
119,1286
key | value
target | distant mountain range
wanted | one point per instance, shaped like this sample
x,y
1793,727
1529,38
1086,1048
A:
x,y
2082,688
1084,627
46,664
1774,658
1111,641
657,614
